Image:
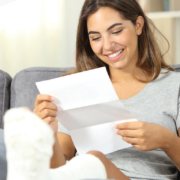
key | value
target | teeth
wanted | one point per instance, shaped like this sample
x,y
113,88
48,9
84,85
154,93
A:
x,y
115,54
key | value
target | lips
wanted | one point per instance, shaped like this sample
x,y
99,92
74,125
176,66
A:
x,y
115,54
117,57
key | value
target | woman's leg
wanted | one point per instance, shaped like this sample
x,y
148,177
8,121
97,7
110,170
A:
x,y
29,144
112,171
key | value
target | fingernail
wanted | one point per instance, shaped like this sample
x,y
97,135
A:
x,y
117,131
115,126
52,98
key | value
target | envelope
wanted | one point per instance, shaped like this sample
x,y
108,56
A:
x,y
89,108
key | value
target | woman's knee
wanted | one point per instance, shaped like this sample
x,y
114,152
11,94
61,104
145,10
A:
x,y
96,153
99,155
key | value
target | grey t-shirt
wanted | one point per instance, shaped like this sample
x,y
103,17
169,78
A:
x,y
157,103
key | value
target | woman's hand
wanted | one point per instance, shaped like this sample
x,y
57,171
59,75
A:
x,y
46,110
145,136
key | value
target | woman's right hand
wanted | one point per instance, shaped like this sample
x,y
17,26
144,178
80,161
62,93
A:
x,y
46,110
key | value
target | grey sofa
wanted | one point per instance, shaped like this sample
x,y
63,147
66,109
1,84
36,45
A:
x,y
22,91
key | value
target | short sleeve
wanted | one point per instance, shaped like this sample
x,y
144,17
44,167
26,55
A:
x,y
62,129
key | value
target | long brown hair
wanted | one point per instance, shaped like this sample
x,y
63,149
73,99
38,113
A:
x,y
150,57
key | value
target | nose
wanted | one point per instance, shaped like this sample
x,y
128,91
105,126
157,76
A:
x,y
108,44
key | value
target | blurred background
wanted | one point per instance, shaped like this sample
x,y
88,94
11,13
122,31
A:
x,y
43,32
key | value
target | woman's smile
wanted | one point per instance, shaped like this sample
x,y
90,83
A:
x,y
115,56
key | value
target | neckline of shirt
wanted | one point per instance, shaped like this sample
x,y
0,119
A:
x,y
140,94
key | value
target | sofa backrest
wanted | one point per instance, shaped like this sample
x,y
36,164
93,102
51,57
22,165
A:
x,y
5,82
176,67
23,88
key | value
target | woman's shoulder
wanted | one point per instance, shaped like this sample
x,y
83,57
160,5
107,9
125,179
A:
x,y
168,77
167,81
169,74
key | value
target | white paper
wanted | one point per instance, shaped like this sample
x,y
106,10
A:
x,y
79,90
93,115
88,106
100,138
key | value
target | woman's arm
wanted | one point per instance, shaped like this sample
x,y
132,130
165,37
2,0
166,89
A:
x,y
173,149
63,150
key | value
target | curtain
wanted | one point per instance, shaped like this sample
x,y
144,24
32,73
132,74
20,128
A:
x,y
38,33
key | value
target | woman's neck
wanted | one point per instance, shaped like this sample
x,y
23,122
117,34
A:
x,y
128,75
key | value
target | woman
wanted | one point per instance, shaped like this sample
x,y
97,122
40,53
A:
x,y
117,34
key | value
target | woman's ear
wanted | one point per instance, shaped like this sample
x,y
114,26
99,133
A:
x,y
139,25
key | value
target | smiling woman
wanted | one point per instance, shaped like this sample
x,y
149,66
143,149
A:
x,y
118,35
120,21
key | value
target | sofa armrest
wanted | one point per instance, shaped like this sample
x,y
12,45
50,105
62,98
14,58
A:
x,y
3,162
5,81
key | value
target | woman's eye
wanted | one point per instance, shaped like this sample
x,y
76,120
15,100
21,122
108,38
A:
x,y
95,39
117,31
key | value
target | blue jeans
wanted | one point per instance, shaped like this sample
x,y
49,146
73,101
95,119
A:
x,y
3,162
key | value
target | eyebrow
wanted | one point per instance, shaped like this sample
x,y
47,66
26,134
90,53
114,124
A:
x,y
95,32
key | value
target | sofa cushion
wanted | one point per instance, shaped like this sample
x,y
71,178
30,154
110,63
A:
x,y
5,81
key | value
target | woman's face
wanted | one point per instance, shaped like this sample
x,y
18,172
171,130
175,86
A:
x,y
113,39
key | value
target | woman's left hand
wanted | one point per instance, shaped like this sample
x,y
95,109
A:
x,y
145,136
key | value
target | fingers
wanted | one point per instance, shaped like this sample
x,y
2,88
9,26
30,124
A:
x,y
47,113
45,105
44,108
130,125
138,143
130,140
49,120
43,97
128,133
